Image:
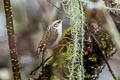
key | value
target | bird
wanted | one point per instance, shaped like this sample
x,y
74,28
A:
x,y
51,37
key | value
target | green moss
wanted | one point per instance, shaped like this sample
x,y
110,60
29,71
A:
x,y
54,78
68,54
93,58
66,36
103,43
118,79
67,32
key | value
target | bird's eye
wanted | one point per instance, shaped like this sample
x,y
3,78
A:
x,y
56,24
58,21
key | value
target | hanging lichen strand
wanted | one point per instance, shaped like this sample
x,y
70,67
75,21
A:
x,y
11,40
75,9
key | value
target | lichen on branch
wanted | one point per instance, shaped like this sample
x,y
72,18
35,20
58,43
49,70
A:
x,y
75,9
11,40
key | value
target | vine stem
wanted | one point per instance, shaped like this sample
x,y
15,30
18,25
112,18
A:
x,y
11,40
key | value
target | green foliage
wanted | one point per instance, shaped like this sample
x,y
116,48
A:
x,y
118,79
54,78
68,54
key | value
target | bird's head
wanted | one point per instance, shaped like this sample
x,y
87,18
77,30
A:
x,y
57,24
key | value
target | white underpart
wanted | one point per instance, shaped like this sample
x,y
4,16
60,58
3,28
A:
x,y
59,28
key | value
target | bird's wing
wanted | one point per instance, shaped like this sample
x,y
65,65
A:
x,y
41,47
53,35
48,39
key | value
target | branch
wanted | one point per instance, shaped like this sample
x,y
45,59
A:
x,y
34,71
11,40
105,58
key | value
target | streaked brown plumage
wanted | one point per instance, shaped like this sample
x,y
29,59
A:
x,y
51,37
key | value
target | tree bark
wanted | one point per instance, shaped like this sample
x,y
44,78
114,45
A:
x,y
11,40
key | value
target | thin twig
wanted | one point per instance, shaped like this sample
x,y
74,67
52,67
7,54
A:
x,y
67,15
103,53
99,71
33,71
11,40
55,6
112,52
